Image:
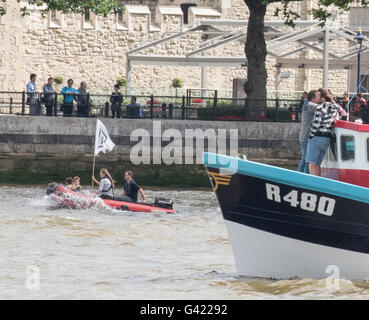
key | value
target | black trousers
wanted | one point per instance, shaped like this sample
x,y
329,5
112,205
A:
x,y
116,111
82,110
49,109
67,109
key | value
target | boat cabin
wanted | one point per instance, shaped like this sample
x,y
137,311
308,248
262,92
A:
x,y
347,158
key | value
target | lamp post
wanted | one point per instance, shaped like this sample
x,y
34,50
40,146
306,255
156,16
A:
x,y
359,38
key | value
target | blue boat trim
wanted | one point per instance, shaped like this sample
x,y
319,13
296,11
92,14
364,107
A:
x,y
285,176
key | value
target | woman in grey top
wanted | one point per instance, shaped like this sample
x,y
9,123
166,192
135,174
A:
x,y
307,116
106,184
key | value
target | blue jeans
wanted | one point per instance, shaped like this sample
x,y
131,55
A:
x,y
316,149
303,166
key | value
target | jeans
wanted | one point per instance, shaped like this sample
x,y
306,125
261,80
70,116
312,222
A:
x,y
316,149
303,166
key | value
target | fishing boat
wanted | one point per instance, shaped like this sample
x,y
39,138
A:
x,y
285,224
67,198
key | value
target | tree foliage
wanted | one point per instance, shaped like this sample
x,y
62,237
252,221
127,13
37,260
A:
x,y
322,12
98,7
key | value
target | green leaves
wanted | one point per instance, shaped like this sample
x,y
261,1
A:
x,y
98,7
322,12
2,7
177,83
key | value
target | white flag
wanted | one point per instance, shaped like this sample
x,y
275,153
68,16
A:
x,y
102,139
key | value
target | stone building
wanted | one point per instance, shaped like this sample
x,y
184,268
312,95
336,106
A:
x,y
93,48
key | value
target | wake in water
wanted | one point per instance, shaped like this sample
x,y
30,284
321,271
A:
x,y
70,201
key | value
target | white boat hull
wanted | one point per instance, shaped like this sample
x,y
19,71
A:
x,y
263,254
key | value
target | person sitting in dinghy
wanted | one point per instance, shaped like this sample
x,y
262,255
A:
x,y
106,185
131,189
76,184
68,182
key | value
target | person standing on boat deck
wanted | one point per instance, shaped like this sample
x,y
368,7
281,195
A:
x,y
320,132
131,189
307,116
106,185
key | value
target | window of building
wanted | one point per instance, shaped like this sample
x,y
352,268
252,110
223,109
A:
x,y
184,8
53,15
347,148
120,21
88,19
55,19
333,148
87,15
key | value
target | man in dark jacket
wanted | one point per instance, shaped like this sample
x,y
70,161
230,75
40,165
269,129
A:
x,y
116,100
82,101
48,98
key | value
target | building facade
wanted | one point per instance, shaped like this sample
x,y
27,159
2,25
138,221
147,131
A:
x,y
93,48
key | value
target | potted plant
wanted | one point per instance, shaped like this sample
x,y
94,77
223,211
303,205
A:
x,y
122,82
177,83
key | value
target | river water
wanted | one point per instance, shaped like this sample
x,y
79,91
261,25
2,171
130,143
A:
x,y
52,253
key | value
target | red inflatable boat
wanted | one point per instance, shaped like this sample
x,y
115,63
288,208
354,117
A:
x,y
71,199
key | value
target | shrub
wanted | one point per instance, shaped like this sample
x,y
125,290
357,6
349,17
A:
x,y
177,83
122,82
58,80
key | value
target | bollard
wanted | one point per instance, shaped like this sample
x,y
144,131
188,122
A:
x,y
183,107
11,106
106,111
215,104
170,111
55,104
23,103
151,107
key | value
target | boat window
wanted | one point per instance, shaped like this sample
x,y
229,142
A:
x,y
333,148
367,148
347,148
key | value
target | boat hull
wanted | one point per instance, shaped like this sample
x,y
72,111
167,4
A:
x,y
284,224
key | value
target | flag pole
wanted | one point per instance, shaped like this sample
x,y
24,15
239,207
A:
x,y
93,172
93,163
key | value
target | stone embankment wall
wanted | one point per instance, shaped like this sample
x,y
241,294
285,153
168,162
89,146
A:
x,y
39,149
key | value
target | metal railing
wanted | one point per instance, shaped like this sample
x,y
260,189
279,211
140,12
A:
x,y
167,107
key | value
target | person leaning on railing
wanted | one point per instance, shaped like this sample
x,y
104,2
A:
x,y
69,96
134,109
82,101
48,96
32,99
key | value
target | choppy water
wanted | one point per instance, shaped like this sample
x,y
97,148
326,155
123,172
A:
x,y
107,254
